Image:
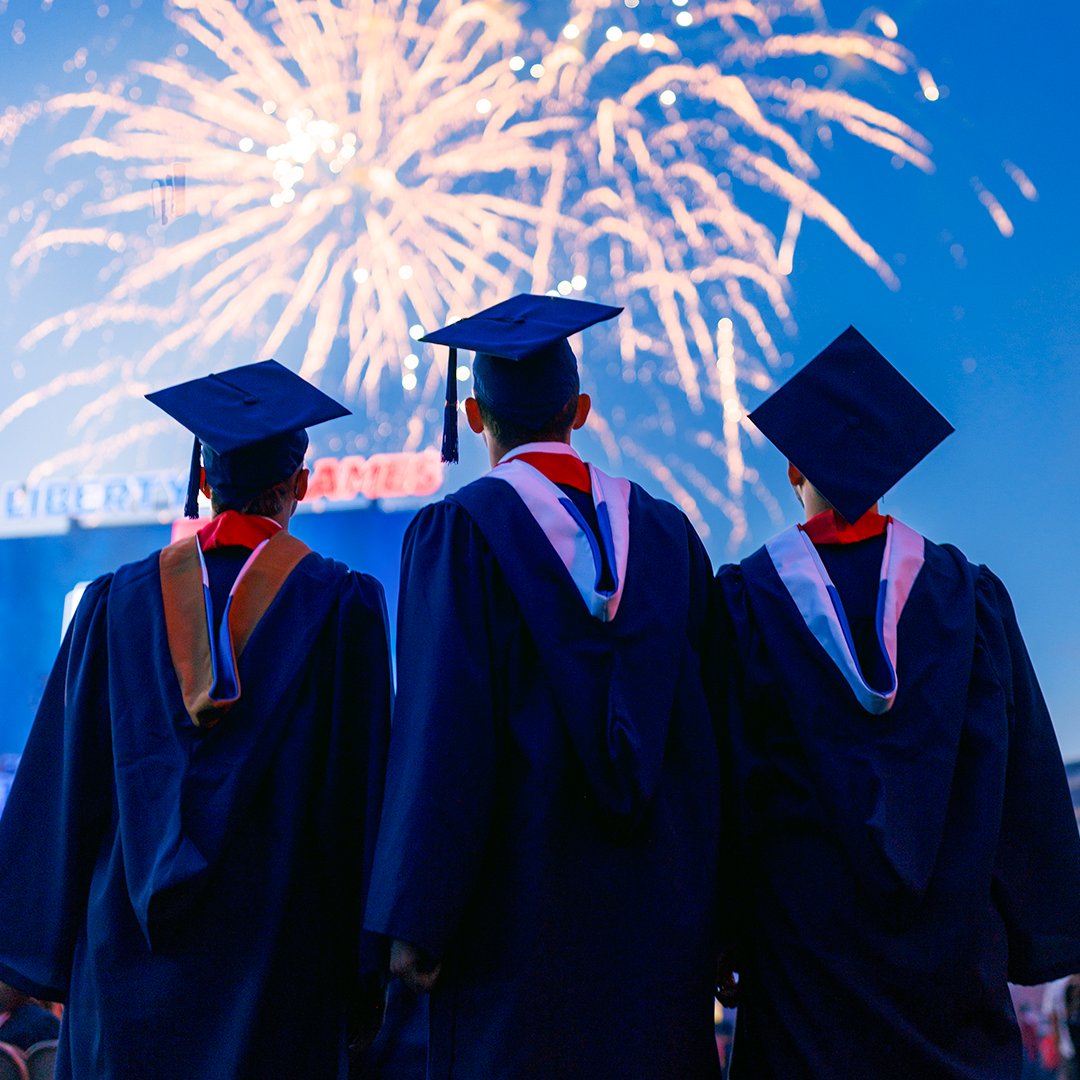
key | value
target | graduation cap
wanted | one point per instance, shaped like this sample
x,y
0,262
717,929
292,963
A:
x,y
524,365
851,424
248,424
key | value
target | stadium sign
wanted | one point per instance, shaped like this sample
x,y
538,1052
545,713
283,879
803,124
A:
x,y
159,495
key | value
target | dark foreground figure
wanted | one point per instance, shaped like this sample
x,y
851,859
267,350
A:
x,y
907,840
184,845
550,829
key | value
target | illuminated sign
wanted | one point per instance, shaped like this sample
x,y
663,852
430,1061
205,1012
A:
x,y
381,476
135,495
160,495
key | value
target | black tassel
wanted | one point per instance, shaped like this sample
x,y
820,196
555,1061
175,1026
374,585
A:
x,y
191,506
450,414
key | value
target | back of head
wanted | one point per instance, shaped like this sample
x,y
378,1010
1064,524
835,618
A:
x,y
255,479
269,502
525,372
534,402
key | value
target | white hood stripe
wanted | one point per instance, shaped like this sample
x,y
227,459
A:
x,y
807,581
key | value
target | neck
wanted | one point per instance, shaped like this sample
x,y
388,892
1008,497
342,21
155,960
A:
x,y
817,505
282,518
285,517
498,450
813,502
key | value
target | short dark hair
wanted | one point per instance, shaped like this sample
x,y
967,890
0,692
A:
x,y
267,503
511,433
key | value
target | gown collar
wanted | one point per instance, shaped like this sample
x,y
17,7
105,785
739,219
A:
x,y
233,529
829,527
558,461
545,446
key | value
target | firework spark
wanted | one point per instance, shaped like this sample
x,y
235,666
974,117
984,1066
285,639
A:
x,y
14,119
993,207
1022,181
357,171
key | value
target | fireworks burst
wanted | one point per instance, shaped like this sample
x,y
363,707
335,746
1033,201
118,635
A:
x,y
351,173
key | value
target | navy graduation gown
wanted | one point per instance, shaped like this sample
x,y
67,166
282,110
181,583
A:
x,y
195,894
897,869
551,820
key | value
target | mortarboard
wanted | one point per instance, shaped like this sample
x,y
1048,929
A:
x,y
524,365
249,424
851,424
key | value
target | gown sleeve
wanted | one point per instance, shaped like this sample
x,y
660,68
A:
x,y
704,626
59,806
356,755
440,780
1037,869
728,615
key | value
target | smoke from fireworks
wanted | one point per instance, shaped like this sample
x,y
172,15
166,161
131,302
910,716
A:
x,y
329,179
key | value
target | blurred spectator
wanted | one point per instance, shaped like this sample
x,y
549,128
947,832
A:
x,y
1028,1019
23,1021
1061,1008
725,1034
1072,1024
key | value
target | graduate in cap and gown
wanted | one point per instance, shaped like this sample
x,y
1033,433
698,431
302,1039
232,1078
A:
x,y
186,841
906,839
547,857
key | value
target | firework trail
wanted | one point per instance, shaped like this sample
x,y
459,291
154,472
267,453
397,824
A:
x,y
679,148
351,173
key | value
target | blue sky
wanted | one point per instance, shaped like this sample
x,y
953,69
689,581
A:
x,y
985,326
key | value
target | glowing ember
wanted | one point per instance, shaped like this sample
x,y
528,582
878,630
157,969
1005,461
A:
x,y
994,208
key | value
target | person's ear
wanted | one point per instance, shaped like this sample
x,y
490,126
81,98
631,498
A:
x,y
796,479
474,416
204,487
301,485
584,404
